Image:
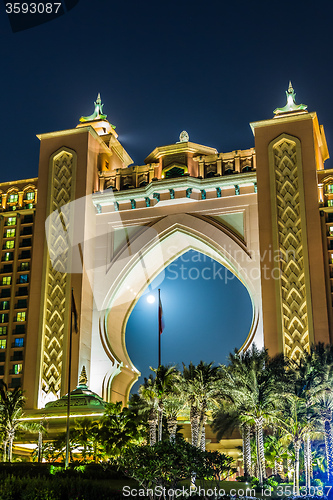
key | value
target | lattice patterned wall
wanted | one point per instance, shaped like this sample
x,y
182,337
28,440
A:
x,y
291,238
57,282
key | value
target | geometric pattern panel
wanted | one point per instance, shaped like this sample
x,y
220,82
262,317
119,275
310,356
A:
x,y
56,282
291,251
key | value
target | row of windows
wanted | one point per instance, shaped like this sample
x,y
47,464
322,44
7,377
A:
x,y
20,316
19,329
13,198
21,303
11,243
18,342
7,280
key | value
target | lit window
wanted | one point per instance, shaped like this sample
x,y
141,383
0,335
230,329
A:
x,y
13,198
3,318
6,280
20,316
10,233
17,369
10,244
8,256
23,278
329,188
330,203
19,342
3,330
4,305
30,195
24,266
11,221
29,205
3,343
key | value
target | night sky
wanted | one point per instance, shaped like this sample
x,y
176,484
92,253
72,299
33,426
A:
x,y
209,67
201,302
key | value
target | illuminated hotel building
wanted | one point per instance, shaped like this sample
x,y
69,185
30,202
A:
x,y
128,222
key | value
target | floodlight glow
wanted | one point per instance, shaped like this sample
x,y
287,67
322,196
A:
x,y
150,299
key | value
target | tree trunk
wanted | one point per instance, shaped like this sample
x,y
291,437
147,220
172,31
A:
x,y
152,422
203,434
172,428
329,450
4,457
194,418
296,467
160,420
307,462
40,444
10,448
260,450
246,435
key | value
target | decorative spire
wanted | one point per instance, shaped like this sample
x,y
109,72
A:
x,y
83,379
97,114
291,106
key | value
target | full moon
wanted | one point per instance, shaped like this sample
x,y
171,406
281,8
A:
x,y
151,299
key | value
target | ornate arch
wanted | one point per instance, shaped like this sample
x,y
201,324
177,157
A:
x,y
126,279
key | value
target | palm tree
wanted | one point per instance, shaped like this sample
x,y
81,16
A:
x,y
202,388
226,420
11,415
149,397
165,382
314,383
173,405
296,422
86,434
253,383
120,428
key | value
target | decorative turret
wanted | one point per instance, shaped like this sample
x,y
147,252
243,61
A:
x,y
97,114
83,379
291,106
98,120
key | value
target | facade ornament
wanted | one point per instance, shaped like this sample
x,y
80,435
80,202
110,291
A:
x,y
291,105
184,137
97,114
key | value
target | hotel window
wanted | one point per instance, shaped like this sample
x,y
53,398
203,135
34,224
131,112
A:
x,y
10,244
29,205
6,280
19,342
20,316
4,305
17,369
3,330
3,343
329,188
8,256
11,221
330,203
3,318
24,266
13,198
23,278
30,195
10,233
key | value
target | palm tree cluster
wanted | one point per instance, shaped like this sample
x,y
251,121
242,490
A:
x,y
283,404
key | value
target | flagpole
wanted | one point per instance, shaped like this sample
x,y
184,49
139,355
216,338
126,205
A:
x,y
69,382
159,327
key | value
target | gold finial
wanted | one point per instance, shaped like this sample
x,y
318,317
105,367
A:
x,y
83,379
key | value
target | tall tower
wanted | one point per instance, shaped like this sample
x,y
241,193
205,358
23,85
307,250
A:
x,y
71,165
290,149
